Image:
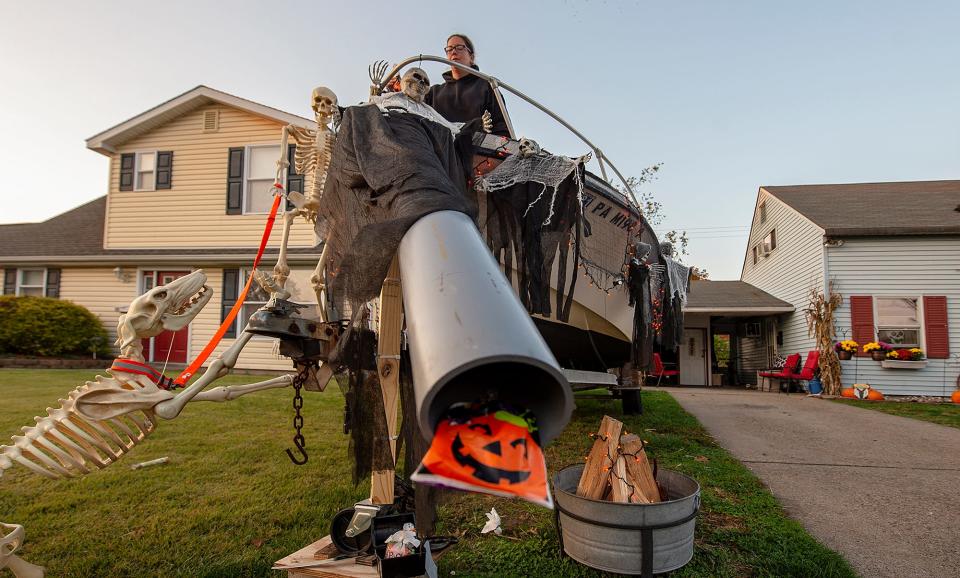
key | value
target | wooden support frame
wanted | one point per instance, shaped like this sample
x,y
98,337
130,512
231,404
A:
x,y
388,371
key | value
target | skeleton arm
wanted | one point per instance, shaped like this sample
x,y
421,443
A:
x,y
220,367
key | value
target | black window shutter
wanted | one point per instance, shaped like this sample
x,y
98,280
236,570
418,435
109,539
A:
x,y
53,283
126,171
235,181
231,290
294,181
9,281
164,169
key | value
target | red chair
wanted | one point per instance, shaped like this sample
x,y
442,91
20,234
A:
x,y
659,371
789,368
808,371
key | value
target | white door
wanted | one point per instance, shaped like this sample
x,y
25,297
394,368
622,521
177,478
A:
x,y
693,357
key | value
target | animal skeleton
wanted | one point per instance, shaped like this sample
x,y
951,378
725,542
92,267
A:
x,y
102,420
311,159
9,544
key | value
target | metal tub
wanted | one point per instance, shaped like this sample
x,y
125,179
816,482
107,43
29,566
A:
x,y
628,538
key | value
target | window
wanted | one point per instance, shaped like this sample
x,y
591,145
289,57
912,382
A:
x,y
31,282
755,254
259,174
898,321
763,212
145,171
770,242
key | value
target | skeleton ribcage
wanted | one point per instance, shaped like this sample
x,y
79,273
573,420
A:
x,y
67,444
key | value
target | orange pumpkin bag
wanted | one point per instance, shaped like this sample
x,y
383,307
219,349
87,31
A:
x,y
487,449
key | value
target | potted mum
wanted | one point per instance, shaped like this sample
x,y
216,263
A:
x,y
846,348
877,350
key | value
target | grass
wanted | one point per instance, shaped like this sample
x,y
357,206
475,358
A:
x,y
947,414
230,503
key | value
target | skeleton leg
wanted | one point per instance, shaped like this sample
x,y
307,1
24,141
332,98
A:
x,y
281,271
319,287
220,367
231,392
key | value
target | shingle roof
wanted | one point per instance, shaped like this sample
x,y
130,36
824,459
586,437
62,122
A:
x,y
868,209
732,297
78,233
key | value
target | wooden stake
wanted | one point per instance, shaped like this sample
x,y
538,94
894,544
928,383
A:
x,y
388,369
621,491
602,458
639,472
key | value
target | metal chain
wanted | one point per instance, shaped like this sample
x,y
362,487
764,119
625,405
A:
x,y
298,439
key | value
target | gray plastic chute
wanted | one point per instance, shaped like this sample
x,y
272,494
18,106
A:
x,y
470,337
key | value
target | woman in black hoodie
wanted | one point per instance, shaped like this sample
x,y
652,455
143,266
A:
x,y
464,96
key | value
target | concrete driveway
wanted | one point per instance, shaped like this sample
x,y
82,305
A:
x,y
882,490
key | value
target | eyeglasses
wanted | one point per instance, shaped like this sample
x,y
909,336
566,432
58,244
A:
x,y
455,48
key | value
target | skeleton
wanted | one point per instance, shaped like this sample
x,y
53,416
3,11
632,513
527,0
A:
x,y
414,85
102,420
10,540
311,159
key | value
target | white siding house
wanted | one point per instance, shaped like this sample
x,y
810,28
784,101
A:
x,y
892,250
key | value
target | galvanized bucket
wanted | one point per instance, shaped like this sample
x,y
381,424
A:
x,y
628,538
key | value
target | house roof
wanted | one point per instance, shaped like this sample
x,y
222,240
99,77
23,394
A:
x,y
732,298
77,236
107,141
873,209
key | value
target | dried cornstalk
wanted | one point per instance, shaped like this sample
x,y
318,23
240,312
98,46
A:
x,y
820,326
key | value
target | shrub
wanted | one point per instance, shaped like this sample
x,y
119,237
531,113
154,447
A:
x,y
49,327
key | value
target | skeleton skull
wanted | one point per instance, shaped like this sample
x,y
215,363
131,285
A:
x,y
529,148
323,101
415,84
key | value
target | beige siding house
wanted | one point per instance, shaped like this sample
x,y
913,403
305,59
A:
x,y
189,188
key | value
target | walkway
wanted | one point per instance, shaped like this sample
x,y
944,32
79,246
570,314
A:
x,y
882,490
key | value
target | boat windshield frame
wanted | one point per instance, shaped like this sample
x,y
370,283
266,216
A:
x,y
496,83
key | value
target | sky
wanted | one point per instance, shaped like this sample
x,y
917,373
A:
x,y
729,96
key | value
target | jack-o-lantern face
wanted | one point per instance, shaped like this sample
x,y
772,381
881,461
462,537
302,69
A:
x,y
486,454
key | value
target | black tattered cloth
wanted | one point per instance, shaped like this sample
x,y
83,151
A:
x,y
535,216
387,171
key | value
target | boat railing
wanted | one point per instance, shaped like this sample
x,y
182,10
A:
x,y
495,84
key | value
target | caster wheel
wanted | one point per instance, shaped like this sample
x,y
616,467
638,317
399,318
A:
x,y
338,534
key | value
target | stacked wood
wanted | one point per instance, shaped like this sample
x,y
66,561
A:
x,y
617,469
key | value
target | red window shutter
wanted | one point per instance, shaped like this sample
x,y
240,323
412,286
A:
x,y
861,317
935,327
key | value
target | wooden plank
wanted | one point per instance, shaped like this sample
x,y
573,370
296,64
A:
x,y
620,490
347,568
388,369
639,471
603,456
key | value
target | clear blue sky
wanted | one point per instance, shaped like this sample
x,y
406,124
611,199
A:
x,y
728,95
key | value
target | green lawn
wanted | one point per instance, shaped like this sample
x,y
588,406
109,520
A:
x,y
942,413
230,503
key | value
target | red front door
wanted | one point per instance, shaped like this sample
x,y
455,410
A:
x,y
169,346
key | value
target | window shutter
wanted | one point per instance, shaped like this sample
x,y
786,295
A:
x,y
231,290
861,317
9,281
235,181
164,169
935,327
53,283
294,181
126,171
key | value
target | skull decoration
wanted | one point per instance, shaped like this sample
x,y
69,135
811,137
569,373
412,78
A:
x,y
323,101
415,83
529,148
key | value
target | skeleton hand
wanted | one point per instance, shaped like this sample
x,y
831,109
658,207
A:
x,y
487,120
376,72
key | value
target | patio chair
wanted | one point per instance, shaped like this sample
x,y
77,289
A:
x,y
808,371
789,368
660,371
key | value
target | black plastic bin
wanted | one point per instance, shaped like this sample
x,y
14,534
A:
x,y
382,528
